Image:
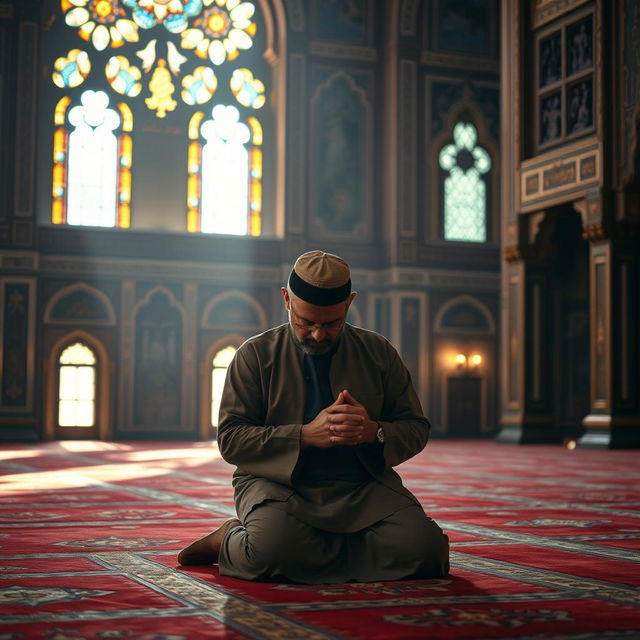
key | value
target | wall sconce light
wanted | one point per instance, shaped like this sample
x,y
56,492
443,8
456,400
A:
x,y
468,364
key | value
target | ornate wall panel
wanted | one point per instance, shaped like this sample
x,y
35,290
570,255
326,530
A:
x,y
297,124
158,364
341,155
560,176
630,80
407,150
26,120
17,337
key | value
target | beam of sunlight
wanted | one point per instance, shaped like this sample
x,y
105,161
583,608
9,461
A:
x,y
135,465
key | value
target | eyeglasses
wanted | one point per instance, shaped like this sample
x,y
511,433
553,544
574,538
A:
x,y
307,326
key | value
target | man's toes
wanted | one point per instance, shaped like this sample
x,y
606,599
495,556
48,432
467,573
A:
x,y
207,549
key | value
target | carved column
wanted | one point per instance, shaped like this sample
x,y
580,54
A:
x,y
19,398
614,417
527,414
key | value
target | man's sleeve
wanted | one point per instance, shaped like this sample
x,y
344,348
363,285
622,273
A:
x,y
405,428
266,451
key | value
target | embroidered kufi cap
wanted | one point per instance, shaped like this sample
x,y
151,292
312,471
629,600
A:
x,y
320,278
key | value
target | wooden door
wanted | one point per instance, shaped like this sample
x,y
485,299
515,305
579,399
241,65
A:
x,y
464,406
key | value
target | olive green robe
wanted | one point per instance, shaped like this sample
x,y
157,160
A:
x,y
261,417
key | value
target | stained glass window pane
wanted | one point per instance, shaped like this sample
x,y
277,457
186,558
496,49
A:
x,y
225,164
221,362
93,162
158,59
76,387
464,188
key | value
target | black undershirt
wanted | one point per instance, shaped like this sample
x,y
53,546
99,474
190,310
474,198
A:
x,y
317,465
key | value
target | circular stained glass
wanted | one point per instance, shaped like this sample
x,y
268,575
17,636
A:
x,y
199,86
123,76
72,69
249,91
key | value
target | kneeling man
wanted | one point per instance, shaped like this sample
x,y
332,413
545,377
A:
x,y
314,415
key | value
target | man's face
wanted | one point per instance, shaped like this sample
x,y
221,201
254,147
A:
x,y
316,328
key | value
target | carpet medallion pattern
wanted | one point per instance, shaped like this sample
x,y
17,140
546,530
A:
x,y
545,545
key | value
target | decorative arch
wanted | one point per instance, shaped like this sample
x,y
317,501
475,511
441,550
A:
x,y
223,298
466,110
77,294
232,339
460,302
104,369
152,292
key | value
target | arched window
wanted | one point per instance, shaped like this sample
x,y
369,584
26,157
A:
x,y
202,66
221,362
77,386
465,169
225,159
225,174
92,162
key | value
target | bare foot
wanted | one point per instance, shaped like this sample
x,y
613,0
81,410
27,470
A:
x,y
207,549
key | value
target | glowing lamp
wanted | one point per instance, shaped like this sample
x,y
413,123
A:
x,y
475,360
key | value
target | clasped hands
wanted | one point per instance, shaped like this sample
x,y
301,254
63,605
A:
x,y
345,422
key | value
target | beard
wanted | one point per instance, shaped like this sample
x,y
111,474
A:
x,y
313,348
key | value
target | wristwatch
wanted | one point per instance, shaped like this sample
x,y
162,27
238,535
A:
x,y
380,435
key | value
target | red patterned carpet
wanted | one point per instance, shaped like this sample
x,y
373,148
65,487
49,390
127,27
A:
x,y
545,544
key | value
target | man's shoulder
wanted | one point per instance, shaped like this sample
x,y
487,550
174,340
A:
x,y
267,339
367,337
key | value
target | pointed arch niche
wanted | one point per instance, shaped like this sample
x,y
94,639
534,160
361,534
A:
x,y
234,310
102,367
464,326
80,303
215,360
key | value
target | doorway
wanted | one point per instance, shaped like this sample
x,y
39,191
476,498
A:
x,y
464,406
